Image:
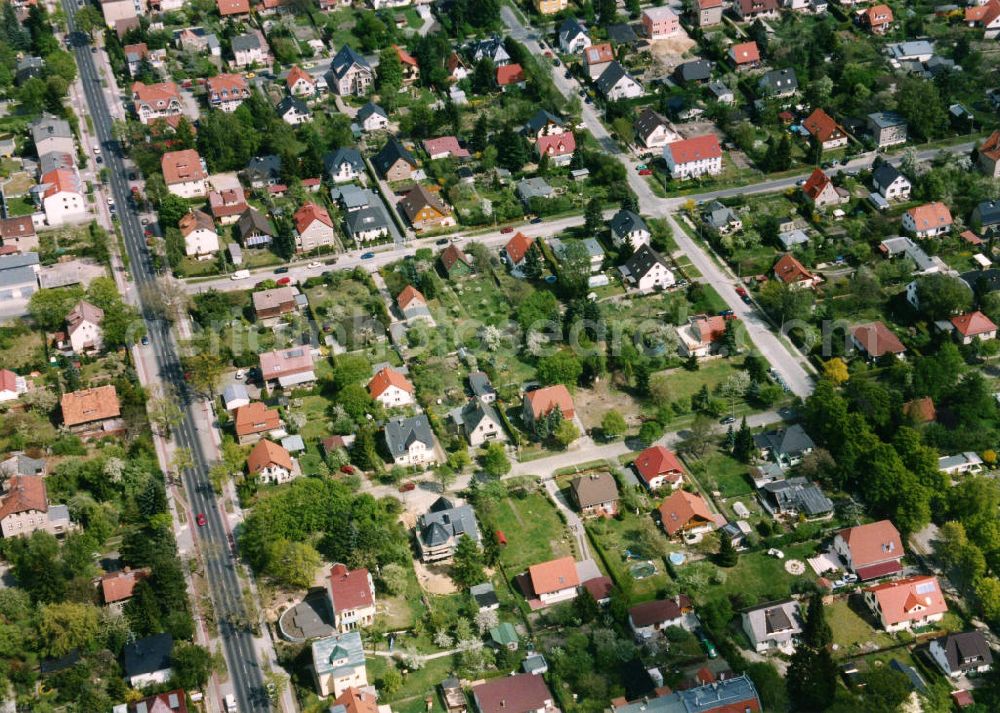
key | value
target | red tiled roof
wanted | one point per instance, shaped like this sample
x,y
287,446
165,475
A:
x,y
233,7
8,380
356,700
656,461
388,377
991,11
973,324
169,702
308,213
877,339
815,184
24,494
195,220
182,166
267,453
599,588
408,295
349,589
822,126
745,53
873,543
991,146
255,418
681,508
789,270
553,576
547,398
877,571
227,202
118,586
659,610
158,96
930,216
518,246
910,598
599,54
60,180
88,405
920,410
709,4
228,83
556,144
17,227
297,73
697,148
452,254
970,237
521,693
444,144
405,57
510,74
285,362
878,15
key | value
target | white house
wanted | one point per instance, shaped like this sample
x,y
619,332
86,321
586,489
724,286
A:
x,y
573,39
928,220
694,157
649,618
270,462
962,653
372,117
344,165
83,324
410,441
185,174
615,83
628,227
481,423
646,271
147,661
774,626
199,233
554,581
653,130
890,183
11,385
313,227
61,196
390,388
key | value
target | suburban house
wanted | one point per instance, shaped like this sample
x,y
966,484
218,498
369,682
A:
x,y
793,273
410,441
287,368
875,340
722,219
986,218
700,335
357,700
553,581
778,83
820,191
444,147
249,49
989,155
425,210
543,401
411,68
960,463
234,396
658,466
83,326
650,618
646,270
481,423
485,596
598,58
52,135
973,326
147,662
227,91
263,171
511,75
558,147
906,603
25,508
254,420
887,128
185,174
391,388
199,233
227,204
278,301
773,626
890,183
372,117
233,8
573,38
659,22
350,73
734,694
750,10
254,229
92,413
270,463
786,446
313,227
709,12
481,387
687,514
595,494
412,304
300,83
156,101
491,47
543,123
744,55
338,663
653,130
516,251
825,130
344,165
877,19
795,497
519,693
962,653
549,7
18,233
352,597
293,111
118,587
394,162
928,220
455,262
693,157
11,385
629,227
60,193
871,551
439,529
616,83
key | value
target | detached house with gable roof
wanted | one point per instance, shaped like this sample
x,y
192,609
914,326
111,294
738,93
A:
x,y
481,423
300,83
962,653
156,101
350,73
573,38
440,528
598,58
658,467
541,402
425,210
989,155
693,157
270,462
877,19
653,130
907,603
558,147
372,117
616,83
552,582
394,162
629,227
686,514
793,273
344,165
890,183
83,325
700,335
199,233
227,91
744,55
646,270
338,663
708,12
254,420
773,626
516,251
973,326
875,340
871,551
184,173
390,388
411,441
287,368
928,220
650,618
825,130
60,193
352,597
313,227
595,495
25,509
92,413
820,191
520,693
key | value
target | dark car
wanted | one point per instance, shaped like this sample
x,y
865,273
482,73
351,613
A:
x,y
368,256
201,519
535,221
728,420
280,270
442,241
144,341
507,229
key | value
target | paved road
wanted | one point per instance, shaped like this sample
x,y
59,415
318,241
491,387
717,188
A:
x,y
223,582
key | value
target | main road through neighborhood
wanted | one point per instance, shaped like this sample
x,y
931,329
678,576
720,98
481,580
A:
x,y
220,567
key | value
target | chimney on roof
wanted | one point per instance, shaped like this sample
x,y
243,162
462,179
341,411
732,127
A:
x,y
503,702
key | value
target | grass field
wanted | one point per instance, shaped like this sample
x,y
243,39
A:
x,y
535,533
613,537
850,631
417,686
719,471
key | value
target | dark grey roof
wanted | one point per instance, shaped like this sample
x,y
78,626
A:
x,y
491,47
540,119
570,29
791,441
264,167
401,432
475,411
441,504
610,77
917,682
642,261
148,655
345,59
436,527
292,103
885,119
484,594
625,222
800,495
365,219
369,109
622,34
697,71
987,280
718,215
21,464
480,384
242,43
253,221
60,664
988,213
779,81
967,649
885,174
648,121
392,152
776,619
49,126
333,160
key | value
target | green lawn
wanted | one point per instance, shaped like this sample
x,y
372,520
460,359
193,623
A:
x,y
535,533
612,537
851,632
417,686
719,471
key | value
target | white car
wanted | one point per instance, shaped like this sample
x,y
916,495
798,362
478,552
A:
x,y
315,264
231,703
776,553
240,374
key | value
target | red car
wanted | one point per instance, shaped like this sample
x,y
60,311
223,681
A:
x,y
645,172
507,229
284,281
407,487
349,469
201,519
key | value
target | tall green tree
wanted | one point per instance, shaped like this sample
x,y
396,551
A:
x,y
467,563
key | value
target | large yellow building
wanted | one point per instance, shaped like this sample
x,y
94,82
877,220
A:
x,y
550,7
